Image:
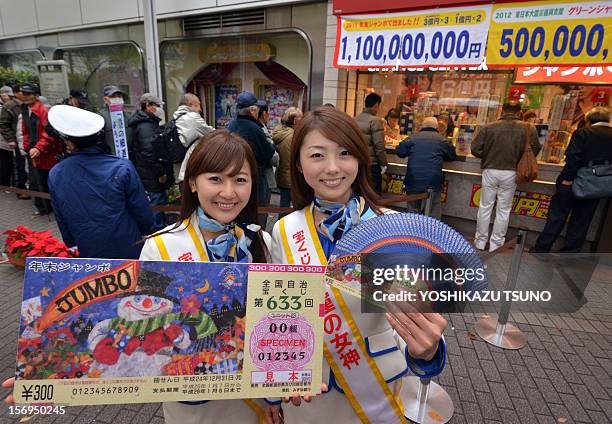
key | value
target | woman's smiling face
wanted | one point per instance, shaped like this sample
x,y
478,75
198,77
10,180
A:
x,y
328,168
223,196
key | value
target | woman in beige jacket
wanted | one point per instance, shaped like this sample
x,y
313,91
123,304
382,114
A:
x,y
282,135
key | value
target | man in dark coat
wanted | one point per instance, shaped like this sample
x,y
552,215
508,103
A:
x,y
248,127
426,151
156,176
15,159
590,143
373,131
100,204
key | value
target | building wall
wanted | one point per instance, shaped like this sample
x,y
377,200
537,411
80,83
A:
x,y
338,84
27,17
117,21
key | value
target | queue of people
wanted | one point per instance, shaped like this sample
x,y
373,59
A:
x,y
30,148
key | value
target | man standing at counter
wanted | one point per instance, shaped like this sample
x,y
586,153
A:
x,y
590,143
374,133
426,151
500,146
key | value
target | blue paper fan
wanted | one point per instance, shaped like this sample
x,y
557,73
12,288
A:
x,y
417,241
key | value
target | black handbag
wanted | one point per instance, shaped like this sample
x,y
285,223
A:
x,y
593,181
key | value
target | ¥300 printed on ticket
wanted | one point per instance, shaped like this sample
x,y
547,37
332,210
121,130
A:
x,y
98,331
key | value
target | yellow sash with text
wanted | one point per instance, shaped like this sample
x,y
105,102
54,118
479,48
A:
x,y
344,348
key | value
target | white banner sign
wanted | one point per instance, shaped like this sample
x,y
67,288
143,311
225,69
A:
x,y
442,37
119,136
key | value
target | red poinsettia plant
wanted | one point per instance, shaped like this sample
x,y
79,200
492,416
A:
x,y
23,242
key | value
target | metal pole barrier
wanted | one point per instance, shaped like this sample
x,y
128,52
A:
x,y
499,332
426,402
428,202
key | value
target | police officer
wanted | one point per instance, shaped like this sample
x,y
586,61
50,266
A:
x,y
99,202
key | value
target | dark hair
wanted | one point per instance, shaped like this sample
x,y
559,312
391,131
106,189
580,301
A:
x,y
529,114
340,128
598,114
511,107
392,113
262,109
450,125
218,151
372,99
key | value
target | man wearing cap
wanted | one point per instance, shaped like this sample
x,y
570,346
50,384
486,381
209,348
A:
x,y
112,95
248,127
426,151
156,176
11,131
78,98
41,147
100,204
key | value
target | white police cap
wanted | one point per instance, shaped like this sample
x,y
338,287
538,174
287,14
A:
x,y
74,122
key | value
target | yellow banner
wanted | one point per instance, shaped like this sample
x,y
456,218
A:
x,y
424,20
550,33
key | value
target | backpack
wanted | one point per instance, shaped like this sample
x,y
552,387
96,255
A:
x,y
167,144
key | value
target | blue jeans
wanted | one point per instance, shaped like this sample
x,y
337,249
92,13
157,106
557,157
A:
x,y
158,198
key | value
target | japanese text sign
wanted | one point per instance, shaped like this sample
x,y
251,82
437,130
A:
x,y
550,32
119,134
449,37
572,74
123,331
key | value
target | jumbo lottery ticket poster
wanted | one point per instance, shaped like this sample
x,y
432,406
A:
x,y
124,331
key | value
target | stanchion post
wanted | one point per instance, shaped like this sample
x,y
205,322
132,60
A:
x,y
428,202
499,332
513,274
426,402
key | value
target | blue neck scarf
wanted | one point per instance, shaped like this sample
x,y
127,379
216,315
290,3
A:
x,y
340,217
231,246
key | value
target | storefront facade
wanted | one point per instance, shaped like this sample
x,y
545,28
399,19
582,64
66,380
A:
x,y
430,61
273,48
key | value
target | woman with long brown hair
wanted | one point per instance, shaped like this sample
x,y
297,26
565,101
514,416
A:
x,y
330,169
216,224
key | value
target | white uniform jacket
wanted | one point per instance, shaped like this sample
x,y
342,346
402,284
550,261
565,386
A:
x,y
187,244
383,344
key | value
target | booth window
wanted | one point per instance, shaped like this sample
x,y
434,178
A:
x,y
22,61
275,67
94,67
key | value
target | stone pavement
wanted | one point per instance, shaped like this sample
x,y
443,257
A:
x,y
564,375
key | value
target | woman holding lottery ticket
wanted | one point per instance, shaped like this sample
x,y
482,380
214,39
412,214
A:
x,y
218,209
365,354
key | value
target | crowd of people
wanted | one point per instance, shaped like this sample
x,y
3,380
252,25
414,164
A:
x,y
30,148
329,167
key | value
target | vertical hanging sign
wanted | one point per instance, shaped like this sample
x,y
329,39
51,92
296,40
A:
x,y
119,136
